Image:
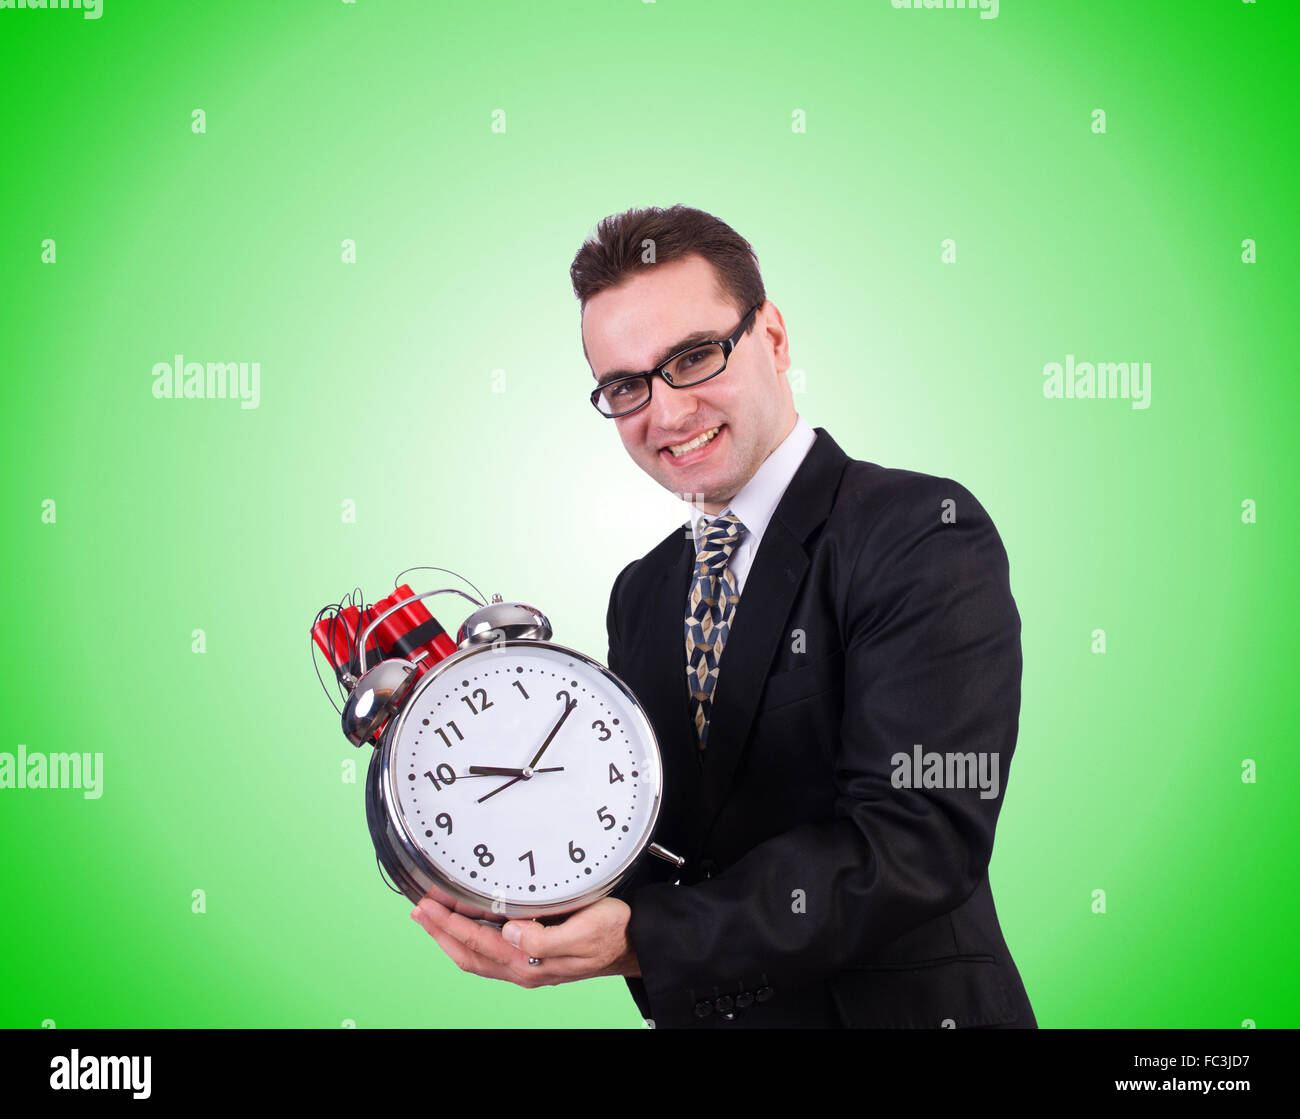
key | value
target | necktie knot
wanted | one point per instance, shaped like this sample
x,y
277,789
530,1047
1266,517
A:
x,y
717,542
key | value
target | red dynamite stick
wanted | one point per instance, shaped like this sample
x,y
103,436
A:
x,y
344,627
321,633
392,628
334,638
359,621
416,619
395,636
412,630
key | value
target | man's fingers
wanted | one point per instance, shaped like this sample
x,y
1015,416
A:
x,y
480,940
582,935
460,954
554,970
588,943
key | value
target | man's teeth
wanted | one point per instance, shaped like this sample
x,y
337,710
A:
x,y
698,441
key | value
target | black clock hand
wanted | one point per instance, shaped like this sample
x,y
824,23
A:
x,y
500,771
499,788
530,769
568,708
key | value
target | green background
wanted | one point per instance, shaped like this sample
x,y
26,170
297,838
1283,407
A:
x,y
379,384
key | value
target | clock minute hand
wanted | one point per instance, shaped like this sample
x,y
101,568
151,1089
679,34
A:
x,y
530,769
568,708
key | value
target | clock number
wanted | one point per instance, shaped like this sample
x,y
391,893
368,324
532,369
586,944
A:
x,y
443,820
520,686
602,816
614,774
445,772
447,741
606,734
484,702
532,870
568,700
485,857
577,854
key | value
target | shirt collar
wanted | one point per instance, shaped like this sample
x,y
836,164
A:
x,y
758,498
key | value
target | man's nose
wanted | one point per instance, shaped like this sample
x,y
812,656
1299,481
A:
x,y
672,407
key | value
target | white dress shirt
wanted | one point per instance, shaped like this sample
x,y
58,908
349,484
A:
x,y
759,497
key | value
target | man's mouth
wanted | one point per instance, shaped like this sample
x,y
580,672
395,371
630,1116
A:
x,y
681,450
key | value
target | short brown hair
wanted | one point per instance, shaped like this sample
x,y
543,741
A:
x,y
615,251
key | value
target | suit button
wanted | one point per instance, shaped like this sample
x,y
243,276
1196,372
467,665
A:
x,y
708,867
724,1005
763,994
744,1000
703,1008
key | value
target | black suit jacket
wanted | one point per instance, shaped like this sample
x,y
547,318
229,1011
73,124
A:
x,y
816,892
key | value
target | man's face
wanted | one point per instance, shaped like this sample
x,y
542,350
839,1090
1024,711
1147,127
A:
x,y
636,325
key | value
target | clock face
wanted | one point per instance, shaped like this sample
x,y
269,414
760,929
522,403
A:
x,y
579,794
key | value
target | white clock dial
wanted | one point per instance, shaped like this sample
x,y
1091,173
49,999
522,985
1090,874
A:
x,y
568,815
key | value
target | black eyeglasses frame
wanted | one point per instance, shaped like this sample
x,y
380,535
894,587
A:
x,y
727,344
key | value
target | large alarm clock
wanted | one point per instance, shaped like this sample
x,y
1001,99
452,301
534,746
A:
x,y
519,777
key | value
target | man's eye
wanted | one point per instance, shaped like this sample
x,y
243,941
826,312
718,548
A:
x,y
620,389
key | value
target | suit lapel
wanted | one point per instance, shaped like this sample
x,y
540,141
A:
x,y
774,580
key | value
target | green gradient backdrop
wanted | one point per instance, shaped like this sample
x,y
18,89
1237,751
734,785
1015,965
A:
x,y
373,121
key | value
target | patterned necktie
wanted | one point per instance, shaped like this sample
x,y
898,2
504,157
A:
x,y
710,610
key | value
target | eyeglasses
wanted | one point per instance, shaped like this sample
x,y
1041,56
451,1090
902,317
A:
x,y
691,366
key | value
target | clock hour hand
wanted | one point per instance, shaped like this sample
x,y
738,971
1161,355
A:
x,y
568,709
513,774
500,771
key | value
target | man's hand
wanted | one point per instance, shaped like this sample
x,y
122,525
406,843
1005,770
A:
x,y
591,942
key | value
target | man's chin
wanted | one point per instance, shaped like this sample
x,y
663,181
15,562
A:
x,y
686,483
686,491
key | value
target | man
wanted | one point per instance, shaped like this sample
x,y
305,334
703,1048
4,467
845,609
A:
x,y
833,782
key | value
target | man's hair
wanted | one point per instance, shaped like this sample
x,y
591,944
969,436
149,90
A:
x,y
621,243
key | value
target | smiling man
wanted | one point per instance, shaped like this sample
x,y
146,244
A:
x,y
686,441
816,621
